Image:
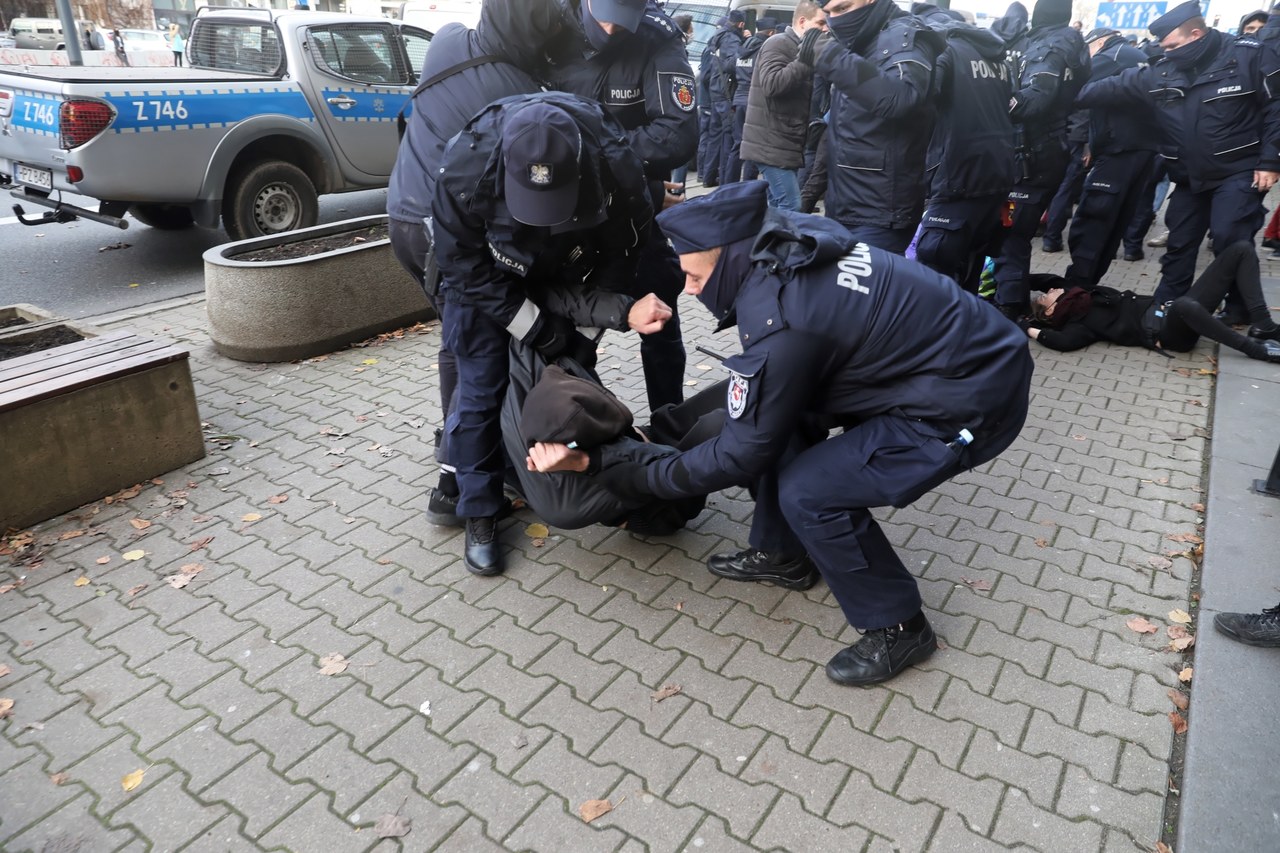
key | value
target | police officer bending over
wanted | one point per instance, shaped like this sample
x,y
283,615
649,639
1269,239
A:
x,y
926,380
539,200
1220,122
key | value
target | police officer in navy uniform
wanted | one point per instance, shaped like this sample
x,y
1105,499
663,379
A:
x,y
718,66
881,71
1122,153
539,202
970,160
743,68
630,57
1220,123
925,379
1048,65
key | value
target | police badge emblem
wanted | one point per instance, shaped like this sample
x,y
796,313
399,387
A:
x,y
682,93
738,388
540,173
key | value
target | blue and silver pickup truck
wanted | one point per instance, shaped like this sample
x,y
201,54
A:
x,y
274,109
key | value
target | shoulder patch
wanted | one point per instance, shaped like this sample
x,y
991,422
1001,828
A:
x,y
739,388
682,89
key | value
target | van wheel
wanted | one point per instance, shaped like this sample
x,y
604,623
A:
x,y
268,198
166,217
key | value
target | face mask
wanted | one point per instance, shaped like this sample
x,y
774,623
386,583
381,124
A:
x,y
721,289
1190,54
857,29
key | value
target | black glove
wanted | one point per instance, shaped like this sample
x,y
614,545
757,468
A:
x,y
1025,323
813,134
807,46
628,481
551,338
581,349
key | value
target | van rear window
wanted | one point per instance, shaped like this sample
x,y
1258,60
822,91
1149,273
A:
x,y
249,46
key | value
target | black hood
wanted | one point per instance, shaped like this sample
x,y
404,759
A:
x,y
519,30
987,44
751,46
1014,23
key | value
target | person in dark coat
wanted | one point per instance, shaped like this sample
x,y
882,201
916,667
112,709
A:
x,y
1071,318
630,57
1218,107
881,70
766,28
717,66
537,195
925,379
970,159
1048,64
1251,23
1122,150
777,121
512,33
1058,215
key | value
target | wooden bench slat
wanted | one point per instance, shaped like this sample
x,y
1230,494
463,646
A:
x,y
67,353
85,360
55,386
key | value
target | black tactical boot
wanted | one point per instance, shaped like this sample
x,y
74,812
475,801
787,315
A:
x,y
763,567
883,653
1255,629
482,554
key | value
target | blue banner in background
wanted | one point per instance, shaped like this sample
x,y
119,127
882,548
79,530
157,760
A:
x,y
1128,16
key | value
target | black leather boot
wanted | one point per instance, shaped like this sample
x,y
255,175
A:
x,y
763,567
882,653
482,554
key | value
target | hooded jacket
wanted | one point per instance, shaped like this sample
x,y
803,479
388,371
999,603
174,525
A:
x,y
836,329
1048,65
719,61
505,268
1217,119
744,66
1113,130
881,120
971,152
778,104
514,30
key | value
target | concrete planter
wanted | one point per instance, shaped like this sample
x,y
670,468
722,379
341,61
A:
x,y
284,310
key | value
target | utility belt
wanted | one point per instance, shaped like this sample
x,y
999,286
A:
x,y
1153,325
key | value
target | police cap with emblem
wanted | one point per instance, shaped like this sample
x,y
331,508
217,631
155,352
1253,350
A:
x,y
541,149
764,25
729,214
1100,34
625,13
1174,18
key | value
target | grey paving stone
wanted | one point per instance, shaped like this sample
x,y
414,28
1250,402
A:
x,y
30,797
551,827
258,793
584,726
584,676
797,726
374,720
555,766
906,824
167,814
519,644
68,826
947,740
488,794
1008,720
314,826
657,764
209,627
230,700
341,770
154,717
203,754
255,655
1137,813
816,784
34,699
627,694
643,815
1097,754
729,744
429,757
1016,685
742,805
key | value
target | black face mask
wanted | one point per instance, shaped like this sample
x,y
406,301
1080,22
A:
x,y
856,30
721,288
1190,55
596,35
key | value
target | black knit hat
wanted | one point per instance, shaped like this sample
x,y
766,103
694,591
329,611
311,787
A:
x,y
1051,12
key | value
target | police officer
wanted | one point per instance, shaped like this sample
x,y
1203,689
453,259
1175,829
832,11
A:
x,y
630,57
1221,134
537,195
925,379
743,68
1058,216
1048,64
970,160
509,39
718,66
881,72
1122,151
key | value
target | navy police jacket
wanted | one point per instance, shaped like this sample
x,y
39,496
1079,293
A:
x,y
1048,66
971,153
719,61
512,30
1216,122
881,121
505,268
1128,128
744,66
644,81
837,329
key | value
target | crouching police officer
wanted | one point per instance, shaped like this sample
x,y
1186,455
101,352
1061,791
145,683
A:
x,y
539,200
926,380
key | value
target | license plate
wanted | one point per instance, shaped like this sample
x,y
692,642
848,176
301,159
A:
x,y
40,178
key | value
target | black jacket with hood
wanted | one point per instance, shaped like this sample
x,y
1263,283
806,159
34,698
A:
x,y
744,66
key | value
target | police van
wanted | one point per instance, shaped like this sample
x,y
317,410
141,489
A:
x,y
42,33
431,15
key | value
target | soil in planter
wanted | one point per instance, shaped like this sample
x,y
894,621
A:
x,y
39,341
13,321
315,245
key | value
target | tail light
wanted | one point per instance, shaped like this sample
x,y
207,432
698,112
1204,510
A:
x,y
81,121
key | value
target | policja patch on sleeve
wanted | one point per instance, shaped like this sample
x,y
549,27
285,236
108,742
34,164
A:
x,y
682,92
739,388
745,370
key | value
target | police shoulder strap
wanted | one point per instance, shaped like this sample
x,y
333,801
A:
x,y
436,78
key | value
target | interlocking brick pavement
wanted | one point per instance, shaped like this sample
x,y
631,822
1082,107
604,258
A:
x,y
488,710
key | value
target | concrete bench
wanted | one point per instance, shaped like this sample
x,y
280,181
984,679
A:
x,y
84,420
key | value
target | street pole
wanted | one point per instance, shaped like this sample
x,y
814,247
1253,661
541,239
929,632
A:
x,y
70,32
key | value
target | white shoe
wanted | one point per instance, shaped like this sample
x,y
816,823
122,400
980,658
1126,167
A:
x,y
1159,240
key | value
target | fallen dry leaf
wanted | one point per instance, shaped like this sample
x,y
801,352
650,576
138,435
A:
x,y
1042,543
178,581
1184,537
666,692
1196,507
332,664
134,590
1181,644
1140,625
133,780
251,516
1177,632
592,809
202,542
1179,699
6,707
4,670
9,587
59,778
537,531
139,523
370,361
1179,723
1080,437
1182,617
134,555
102,561
1186,674
1161,563
1161,847
977,584
537,543
191,569
83,580
277,499
392,826
70,534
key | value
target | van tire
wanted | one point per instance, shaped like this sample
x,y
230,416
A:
x,y
269,198
166,217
